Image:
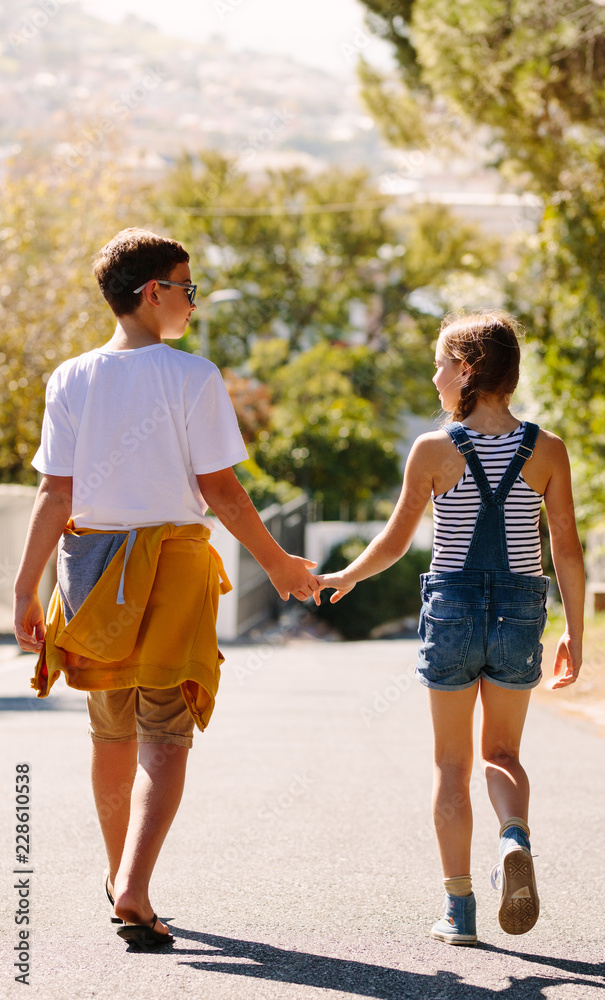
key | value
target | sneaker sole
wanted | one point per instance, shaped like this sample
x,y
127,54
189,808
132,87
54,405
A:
x,y
518,915
460,939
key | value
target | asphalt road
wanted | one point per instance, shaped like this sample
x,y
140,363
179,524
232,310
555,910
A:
x,y
302,863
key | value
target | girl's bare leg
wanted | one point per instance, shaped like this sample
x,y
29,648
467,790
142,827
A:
x,y
452,717
504,713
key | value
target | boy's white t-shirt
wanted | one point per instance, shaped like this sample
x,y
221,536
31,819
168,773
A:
x,y
134,428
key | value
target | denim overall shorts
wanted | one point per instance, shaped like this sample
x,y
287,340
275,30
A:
x,y
483,621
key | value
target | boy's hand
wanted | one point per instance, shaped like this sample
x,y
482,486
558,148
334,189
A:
x,y
568,660
332,581
29,623
292,577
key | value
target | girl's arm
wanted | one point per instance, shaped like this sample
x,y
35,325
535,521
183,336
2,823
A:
x,y
395,538
568,561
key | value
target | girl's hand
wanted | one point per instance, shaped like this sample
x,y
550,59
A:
x,y
568,660
332,581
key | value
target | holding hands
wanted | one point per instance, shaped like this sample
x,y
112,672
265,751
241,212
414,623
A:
x,y
333,581
290,576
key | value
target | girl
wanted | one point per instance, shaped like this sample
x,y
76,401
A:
x,y
484,599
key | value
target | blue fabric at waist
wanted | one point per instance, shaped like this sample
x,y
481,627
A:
x,y
486,580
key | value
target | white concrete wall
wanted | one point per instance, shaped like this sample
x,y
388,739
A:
x,y
595,569
228,548
16,503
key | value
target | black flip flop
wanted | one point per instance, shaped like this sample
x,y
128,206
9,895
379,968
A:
x,y
114,919
144,936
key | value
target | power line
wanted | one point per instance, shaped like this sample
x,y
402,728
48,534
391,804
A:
x,y
353,206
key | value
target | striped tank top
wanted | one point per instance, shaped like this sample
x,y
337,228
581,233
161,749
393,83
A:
x,y
455,512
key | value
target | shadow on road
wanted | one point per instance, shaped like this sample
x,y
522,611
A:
x,y
261,961
564,964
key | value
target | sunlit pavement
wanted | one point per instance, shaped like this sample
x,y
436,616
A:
x,y
302,863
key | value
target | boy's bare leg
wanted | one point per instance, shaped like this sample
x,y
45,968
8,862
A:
x,y
113,768
156,795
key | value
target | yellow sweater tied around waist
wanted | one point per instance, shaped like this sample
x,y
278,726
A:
x,y
147,622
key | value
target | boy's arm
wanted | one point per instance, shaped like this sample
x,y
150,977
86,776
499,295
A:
x,y
52,510
228,499
568,561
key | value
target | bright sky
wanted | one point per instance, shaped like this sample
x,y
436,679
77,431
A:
x,y
324,33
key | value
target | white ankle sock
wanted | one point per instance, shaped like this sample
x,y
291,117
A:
x,y
514,821
459,885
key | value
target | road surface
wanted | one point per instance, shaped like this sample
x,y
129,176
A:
x,y
302,864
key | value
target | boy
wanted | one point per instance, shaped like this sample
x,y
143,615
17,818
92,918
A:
x,y
138,439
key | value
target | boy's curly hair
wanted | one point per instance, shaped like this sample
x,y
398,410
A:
x,y
131,258
488,343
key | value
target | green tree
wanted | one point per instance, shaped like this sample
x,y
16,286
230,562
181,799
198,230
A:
x,y
298,265
50,308
302,249
325,435
532,77
300,262
555,292
533,73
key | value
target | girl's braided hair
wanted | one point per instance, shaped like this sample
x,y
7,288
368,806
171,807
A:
x,y
488,343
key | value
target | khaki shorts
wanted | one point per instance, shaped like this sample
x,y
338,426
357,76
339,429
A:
x,y
148,715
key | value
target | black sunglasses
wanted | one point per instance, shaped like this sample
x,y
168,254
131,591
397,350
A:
x,y
191,289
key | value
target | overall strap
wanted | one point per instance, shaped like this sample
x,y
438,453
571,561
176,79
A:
x,y
467,449
524,452
488,548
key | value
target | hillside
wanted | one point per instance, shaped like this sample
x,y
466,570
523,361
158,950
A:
x,y
68,79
